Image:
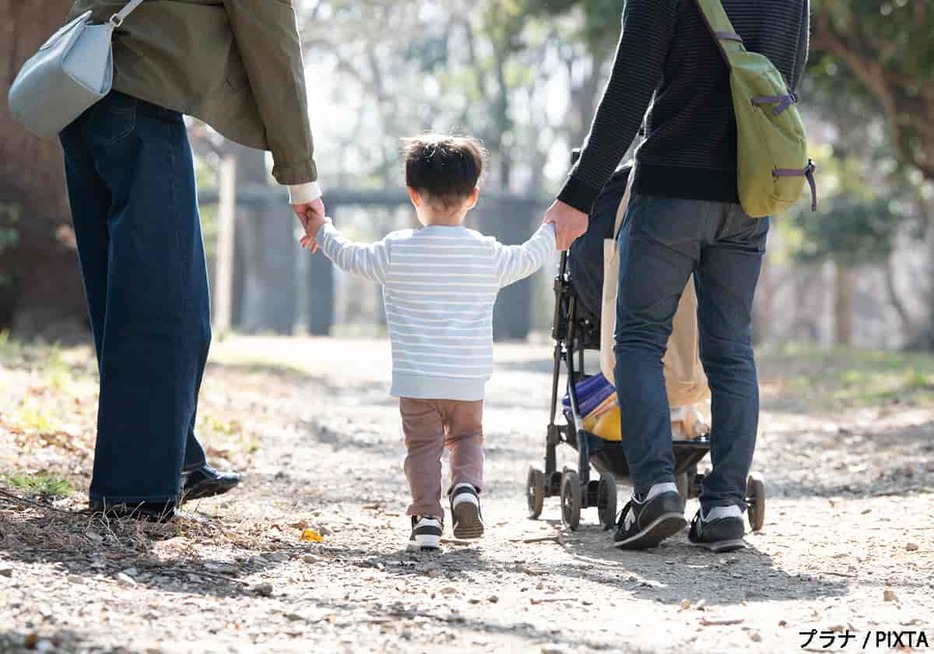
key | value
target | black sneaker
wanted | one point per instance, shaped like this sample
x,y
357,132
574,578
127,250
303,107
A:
x,y
465,509
426,533
721,531
646,523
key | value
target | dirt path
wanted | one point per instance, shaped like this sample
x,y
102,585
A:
x,y
848,542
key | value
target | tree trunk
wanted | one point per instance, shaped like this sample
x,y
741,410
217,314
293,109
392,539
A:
x,y
40,286
891,288
843,305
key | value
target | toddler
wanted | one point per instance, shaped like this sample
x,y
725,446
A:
x,y
439,286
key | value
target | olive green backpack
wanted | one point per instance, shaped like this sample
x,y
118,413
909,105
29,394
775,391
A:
x,y
772,161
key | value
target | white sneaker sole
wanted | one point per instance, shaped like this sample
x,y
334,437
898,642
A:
x,y
425,543
722,545
664,526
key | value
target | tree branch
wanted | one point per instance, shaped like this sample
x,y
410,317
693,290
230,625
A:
x,y
865,66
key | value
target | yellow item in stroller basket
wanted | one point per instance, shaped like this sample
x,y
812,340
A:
x,y
604,420
687,422
605,425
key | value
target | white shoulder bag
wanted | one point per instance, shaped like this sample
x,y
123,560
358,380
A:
x,y
72,71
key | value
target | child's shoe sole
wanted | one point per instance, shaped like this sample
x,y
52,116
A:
x,y
468,524
425,543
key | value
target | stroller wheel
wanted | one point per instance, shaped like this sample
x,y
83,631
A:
x,y
535,491
755,499
570,500
606,502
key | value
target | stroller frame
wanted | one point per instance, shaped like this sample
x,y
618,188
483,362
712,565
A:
x,y
575,332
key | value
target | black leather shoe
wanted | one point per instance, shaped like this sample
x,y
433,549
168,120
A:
x,y
143,511
207,482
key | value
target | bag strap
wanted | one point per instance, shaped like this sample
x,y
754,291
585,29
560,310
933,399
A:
x,y
721,29
117,19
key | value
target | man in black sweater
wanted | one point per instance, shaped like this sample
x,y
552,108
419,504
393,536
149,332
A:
x,y
684,218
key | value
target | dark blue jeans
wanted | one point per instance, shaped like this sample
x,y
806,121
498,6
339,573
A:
x,y
663,241
131,186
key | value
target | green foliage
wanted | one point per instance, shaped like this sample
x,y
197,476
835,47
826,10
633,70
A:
x,y
599,29
45,485
897,31
851,377
874,59
10,349
32,420
849,231
57,371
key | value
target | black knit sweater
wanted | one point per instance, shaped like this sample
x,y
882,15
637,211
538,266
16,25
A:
x,y
667,56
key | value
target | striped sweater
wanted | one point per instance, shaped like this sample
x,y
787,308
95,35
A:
x,y
439,287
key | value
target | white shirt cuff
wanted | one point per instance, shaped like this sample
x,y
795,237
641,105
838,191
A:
x,y
304,193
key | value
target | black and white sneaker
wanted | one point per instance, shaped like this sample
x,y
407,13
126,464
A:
x,y
721,530
645,523
465,509
426,533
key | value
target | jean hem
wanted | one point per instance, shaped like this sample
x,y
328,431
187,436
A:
x,y
138,499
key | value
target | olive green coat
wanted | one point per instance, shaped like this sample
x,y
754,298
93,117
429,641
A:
x,y
235,64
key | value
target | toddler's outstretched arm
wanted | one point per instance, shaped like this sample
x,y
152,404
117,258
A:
x,y
370,261
515,262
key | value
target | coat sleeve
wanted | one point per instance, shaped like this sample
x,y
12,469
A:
x,y
266,32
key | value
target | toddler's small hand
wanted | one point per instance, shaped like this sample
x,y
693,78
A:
x,y
313,224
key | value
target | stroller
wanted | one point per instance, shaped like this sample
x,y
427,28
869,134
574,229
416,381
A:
x,y
576,329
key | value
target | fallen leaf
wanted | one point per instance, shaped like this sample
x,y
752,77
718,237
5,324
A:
x,y
889,596
912,547
311,536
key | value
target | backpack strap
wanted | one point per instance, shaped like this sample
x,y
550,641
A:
x,y
807,172
721,29
729,41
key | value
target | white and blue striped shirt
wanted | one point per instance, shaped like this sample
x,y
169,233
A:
x,y
439,287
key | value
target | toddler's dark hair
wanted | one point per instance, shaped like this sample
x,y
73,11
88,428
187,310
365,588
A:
x,y
443,169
